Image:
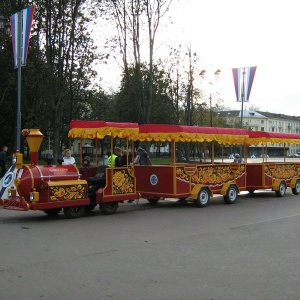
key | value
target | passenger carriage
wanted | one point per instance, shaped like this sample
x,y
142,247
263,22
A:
x,y
196,181
274,175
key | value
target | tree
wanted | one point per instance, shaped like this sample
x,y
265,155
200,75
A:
x,y
163,110
68,52
131,19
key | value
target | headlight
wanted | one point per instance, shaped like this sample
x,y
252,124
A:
x,y
12,192
34,196
31,197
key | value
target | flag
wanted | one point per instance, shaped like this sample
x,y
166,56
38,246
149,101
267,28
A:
x,y
24,19
243,80
7,181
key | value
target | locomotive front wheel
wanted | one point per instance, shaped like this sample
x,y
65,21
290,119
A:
x,y
231,195
153,200
296,189
109,208
74,212
52,212
281,190
89,207
203,198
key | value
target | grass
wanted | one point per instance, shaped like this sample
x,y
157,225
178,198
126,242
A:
x,y
160,160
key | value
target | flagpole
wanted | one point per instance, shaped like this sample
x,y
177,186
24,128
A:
x,y
242,110
18,137
243,96
20,27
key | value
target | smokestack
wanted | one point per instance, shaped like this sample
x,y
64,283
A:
x,y
34,139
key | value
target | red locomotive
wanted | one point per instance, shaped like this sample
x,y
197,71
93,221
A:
x,y
52,188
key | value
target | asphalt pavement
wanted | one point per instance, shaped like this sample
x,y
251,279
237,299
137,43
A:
x,y
249,250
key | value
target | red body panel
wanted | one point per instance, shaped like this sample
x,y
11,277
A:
x,y
32,176
56,186
262,175
178,180
120,185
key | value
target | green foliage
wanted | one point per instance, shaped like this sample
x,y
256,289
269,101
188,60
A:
x,y
58,75
58,82
129,104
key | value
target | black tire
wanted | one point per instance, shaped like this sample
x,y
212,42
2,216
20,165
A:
x,y
281,190
89,207
52,212
296,189
251,192
74,212
182,201
153,200
109,208
203,197
231,195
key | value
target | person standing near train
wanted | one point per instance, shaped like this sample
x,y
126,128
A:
x,y
3,157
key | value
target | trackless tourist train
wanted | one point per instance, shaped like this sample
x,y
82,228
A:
x,y
76,189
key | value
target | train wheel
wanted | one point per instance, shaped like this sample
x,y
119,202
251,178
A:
x,y
153,200
89,207
74,212
282,189
182,201
109,208
52,212
296,189
231,195
203,198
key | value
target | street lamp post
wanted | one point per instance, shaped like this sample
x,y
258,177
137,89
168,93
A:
x,y
216,74
21,27
210,112
243,96
19,36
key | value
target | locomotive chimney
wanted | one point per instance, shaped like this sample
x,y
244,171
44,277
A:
x,y
34,139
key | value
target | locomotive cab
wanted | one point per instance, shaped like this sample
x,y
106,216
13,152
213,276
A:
x,y
50,188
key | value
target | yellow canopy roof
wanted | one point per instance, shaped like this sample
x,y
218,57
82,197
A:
x,y
99,129
167,132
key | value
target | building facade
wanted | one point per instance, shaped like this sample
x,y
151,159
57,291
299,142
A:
x,y
265,121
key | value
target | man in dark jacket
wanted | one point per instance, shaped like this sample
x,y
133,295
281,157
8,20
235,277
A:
x,y
142,157
3,161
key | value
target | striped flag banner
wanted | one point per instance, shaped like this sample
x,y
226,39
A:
x,y
24,19
243,80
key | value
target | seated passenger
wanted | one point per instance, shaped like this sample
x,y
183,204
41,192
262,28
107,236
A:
x,y
86,161
111,161
142,157
122,159
238,159
118,153
68,159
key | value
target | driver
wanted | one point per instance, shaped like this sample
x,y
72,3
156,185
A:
x,y
87,161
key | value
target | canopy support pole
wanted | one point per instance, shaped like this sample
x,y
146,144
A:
x,y
96,151
173,150
212,152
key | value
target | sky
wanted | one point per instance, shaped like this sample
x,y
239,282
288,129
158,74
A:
x,y
238,33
